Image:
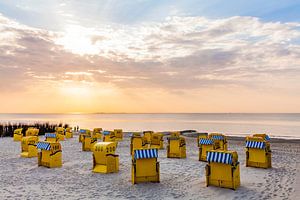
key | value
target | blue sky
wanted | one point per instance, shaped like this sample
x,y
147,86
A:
x,y
44,14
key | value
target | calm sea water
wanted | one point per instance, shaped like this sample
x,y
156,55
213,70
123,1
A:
x,y
277,125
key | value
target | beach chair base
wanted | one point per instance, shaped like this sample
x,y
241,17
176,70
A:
x,y
111,166
46,159
32,152
145,172
222,175
258,158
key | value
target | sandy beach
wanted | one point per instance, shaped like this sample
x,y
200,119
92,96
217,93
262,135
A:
x,y
21,178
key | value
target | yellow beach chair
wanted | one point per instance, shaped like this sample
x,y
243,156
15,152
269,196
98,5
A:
x,y
83,132
176,146
201,136
60,131
97,133
157,141
51,137
28,146
18,134
258,152
69,133
32,132
145,167
204,146
223,169
109,136
220,140
104,158
137,142
50,154
147,135
88,142
119,134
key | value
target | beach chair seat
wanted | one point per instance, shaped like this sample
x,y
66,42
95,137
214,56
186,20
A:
x,y
258,152
157,141
97,133
51,137
220,140
145,167
18,134
105,159
69,133
83,132
137,142
50,154
28,146
204,146
176,146
147,136
223,169
88,142
201,136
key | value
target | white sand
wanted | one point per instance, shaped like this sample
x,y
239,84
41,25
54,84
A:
x,y
21,178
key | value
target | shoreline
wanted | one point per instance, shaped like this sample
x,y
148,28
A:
x,y
242,138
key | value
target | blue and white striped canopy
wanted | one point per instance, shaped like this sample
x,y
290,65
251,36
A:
x,y
219,157
145,153
82,131
254,144
43,145
105,132
50,135
217,137
206,141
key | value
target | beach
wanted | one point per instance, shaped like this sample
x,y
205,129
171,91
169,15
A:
x,y
21,178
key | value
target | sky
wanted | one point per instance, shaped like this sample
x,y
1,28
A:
x,y
149,56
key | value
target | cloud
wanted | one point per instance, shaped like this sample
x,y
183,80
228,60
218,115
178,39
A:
x,y
176,55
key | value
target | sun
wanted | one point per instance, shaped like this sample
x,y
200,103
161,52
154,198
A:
x,y
77,39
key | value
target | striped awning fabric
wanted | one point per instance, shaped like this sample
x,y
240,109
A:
x,y
219,157
105,132
50,135
255,144
82,131
43,145
145,153
206,141
217,137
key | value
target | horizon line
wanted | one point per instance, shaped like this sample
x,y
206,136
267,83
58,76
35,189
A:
x,y
95,113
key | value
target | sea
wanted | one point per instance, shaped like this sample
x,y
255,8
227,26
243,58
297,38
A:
x,y
282,125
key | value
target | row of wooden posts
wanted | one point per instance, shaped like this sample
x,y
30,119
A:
x,y
7,129
222,167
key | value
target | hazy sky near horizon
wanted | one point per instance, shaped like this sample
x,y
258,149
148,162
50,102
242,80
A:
x,y
149,56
